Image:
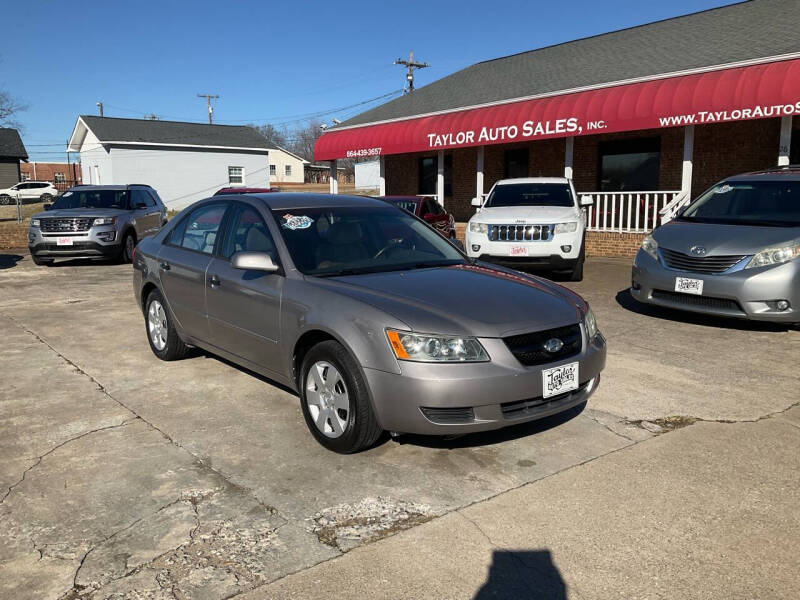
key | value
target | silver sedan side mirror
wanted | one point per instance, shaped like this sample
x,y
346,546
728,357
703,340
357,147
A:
x,y
254,261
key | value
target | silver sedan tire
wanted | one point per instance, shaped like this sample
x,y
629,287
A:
x,y
335,400
164,340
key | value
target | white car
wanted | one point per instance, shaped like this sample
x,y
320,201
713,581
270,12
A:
x,y
530,222
28,192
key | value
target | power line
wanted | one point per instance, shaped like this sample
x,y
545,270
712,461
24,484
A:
x,y
208,98
411,66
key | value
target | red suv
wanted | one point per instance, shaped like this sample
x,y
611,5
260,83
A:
x,y
429,210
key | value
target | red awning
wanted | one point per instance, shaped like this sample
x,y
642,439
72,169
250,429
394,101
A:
x,y
734,94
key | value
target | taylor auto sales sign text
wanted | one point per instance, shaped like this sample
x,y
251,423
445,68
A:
x,y
753,92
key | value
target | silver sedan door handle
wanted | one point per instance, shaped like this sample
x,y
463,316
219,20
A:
x,y
214,281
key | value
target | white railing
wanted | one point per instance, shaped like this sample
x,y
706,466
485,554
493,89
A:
x,y
671,209
626,212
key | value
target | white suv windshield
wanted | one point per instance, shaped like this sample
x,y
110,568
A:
x,y
530,194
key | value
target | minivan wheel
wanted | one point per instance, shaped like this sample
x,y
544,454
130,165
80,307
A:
x,y
164,340
128,245
335,400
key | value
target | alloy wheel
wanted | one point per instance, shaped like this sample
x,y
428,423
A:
x,y
327,399
157,325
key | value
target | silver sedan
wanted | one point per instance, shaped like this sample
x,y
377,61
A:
x,y
377,321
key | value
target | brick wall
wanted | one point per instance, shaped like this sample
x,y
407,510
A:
x,y
614,245
47,171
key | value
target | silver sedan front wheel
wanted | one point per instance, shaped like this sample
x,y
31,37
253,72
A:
x,y
327,399
157,325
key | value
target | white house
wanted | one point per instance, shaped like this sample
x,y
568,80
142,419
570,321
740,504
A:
x,y
368,174
285,167
184,162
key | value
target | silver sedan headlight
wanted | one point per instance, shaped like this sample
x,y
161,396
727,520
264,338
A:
x,y
407,345
591,324
478,227
650,245
774,256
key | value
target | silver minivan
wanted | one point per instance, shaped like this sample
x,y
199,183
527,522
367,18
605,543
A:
x,y
732,252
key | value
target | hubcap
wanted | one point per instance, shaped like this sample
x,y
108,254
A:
x,y
327,399
157,325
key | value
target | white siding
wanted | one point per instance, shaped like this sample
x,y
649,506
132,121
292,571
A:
x,y
95,161
368,175
182,176
280,159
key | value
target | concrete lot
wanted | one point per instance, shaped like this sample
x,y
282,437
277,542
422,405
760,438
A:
x,y
125,477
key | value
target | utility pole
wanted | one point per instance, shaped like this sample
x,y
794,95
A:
x,y
208,98
100,106
411,66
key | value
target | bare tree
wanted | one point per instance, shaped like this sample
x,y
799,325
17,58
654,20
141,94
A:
x,y
304,138
272,134
9,107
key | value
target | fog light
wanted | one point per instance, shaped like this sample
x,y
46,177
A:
x,y
107,236
476,247
566,248
635,285
31,239
782,305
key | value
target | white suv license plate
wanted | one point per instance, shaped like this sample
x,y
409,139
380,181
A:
x,y
64,241
689,286
559,380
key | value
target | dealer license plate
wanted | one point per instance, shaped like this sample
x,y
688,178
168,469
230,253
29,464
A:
x,y
519,251
64,241
559,380
689,286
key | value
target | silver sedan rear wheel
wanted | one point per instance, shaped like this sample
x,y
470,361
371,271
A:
x,y
157,325
327,399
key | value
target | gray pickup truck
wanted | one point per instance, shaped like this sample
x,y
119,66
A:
x,y
95,221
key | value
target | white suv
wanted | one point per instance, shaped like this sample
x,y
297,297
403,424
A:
x,y
28,191
528,222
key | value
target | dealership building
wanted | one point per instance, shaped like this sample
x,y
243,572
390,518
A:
x,y
641,119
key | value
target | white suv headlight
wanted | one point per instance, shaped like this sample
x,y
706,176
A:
x,y
407,345
774,256
104,220
478,227
566,227
650,246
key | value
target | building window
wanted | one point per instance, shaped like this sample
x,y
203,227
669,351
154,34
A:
x,y
273,170
235,175
287,170
516,163
428,169
629,165
59,177
25,177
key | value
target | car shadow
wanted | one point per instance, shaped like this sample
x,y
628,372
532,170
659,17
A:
x,y
9,261
81,262
490,438
522,574
626,301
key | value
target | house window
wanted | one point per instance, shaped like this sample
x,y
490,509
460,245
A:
x,y
629,165
516,163
25,177
428,170
59,177
273,170
236,175
287,170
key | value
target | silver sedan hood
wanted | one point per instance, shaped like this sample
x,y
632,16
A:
x,y
719,240
464,299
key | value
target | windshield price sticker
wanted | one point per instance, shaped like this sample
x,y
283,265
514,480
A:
x,y
296,222
559,380
689,286
723,189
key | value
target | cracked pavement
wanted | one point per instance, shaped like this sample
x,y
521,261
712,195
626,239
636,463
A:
x,y
125,477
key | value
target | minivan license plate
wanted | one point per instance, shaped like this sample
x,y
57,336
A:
x,y
64,241
559,380
519,251
689,286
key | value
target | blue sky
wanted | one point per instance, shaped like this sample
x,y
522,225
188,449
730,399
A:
x,y
269,61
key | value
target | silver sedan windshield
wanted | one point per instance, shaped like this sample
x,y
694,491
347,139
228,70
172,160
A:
x,y
329,241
